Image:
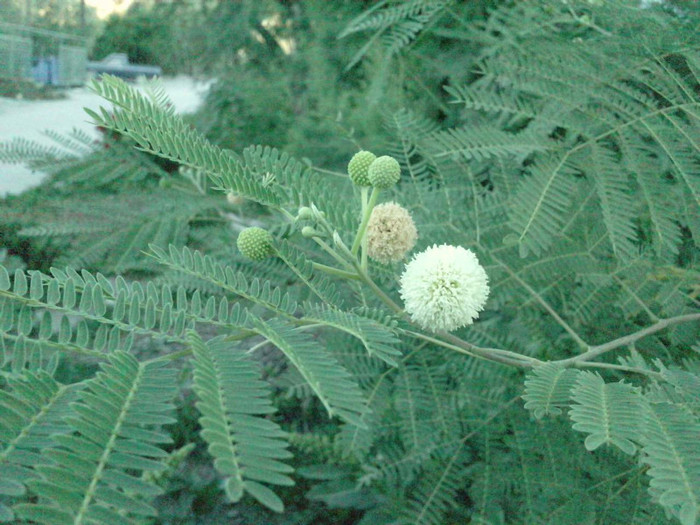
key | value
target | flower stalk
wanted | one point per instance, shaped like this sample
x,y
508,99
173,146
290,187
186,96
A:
x,y
365,219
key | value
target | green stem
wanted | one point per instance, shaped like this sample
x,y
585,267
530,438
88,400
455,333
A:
x,y
363,262
259,345
478,352
595,351
365,219
636,298
323,223
171,357
291,218
531,361
308,325
544,304
378,291
72,347
364,192
335,271
332,253
454,343
330,172
448,340
622,368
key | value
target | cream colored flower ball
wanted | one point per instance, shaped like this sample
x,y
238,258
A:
x,y
391,233
444,288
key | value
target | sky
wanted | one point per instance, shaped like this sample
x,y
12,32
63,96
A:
x,y
107,7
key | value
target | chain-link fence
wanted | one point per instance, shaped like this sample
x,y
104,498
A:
x,y
47,57
15,57
72,61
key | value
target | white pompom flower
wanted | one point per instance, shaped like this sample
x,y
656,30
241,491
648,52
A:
x,y
444,288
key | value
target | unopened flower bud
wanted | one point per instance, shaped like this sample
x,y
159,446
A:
x,y
358,166
305,213
384,172
308,231
255,243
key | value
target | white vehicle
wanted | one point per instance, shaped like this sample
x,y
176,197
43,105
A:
x,y
117,64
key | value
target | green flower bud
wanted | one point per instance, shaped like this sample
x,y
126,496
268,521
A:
x,y
358,166
305,213
255,243
384,172
308,231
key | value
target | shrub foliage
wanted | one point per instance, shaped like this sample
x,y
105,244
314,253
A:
x,y
566,156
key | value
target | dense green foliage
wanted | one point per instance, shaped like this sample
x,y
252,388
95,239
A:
x,y
170,35
144,37
75,17
563,149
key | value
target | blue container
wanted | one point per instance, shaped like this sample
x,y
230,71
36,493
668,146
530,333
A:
x,y
45,71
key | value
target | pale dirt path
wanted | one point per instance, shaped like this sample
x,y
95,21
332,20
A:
x,y
29,119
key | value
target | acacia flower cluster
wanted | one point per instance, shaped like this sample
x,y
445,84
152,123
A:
x,y
444,288
391,233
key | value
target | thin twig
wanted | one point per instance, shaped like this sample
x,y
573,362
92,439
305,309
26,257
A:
x,y
488,354
622,368
636,298
367,212
335,271
544,304
595,351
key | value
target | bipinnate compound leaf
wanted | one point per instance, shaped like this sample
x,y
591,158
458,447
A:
x,y
537,213
610,413
437,491
117,314
671,448
686,385
329,380
158,130
233,402
548,389
31,410
209,269
377,338
572,167
92,474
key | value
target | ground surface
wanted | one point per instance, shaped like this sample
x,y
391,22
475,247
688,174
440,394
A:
x,y
30,118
